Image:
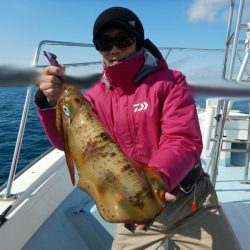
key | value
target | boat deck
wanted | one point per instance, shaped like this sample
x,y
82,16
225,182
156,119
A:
x,y
73,225
230,187
77,216
234,197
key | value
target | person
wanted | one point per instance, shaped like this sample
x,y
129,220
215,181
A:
x,y
150,113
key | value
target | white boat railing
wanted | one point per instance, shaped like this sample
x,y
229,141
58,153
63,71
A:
x,y
245,60
18,144
236,35
232,39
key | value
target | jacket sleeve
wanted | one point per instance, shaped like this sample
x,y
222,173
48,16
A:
x,y
180,142
47,116
48,121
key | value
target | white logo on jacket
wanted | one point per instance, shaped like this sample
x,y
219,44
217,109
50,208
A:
x,y
140,106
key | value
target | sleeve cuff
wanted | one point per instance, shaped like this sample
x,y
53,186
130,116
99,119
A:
x,y
41,100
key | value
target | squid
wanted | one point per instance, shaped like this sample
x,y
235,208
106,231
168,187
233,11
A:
x,y
124,191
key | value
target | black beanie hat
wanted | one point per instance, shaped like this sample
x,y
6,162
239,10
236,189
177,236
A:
x,y
119,17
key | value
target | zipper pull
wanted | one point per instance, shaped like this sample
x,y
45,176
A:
x,y
194,205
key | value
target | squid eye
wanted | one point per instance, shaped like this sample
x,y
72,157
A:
x,y
66,110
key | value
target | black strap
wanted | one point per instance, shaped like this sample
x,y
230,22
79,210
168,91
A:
x,y
191,178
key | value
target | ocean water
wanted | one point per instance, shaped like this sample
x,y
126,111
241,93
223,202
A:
x,y
35,141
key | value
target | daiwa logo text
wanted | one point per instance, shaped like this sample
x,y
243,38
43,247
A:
x,y
140,106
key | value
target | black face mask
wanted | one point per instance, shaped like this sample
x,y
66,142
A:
x,y
122,40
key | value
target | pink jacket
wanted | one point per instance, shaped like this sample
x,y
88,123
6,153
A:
x,y
150,113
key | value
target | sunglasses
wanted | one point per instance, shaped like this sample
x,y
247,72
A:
x,y
106,43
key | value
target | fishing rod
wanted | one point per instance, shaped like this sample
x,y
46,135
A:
x,y
23,77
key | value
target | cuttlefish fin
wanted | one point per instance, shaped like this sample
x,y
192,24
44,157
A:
x,y
62,124
69,159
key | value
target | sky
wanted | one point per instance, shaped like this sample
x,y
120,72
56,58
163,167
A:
x,y
170,23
